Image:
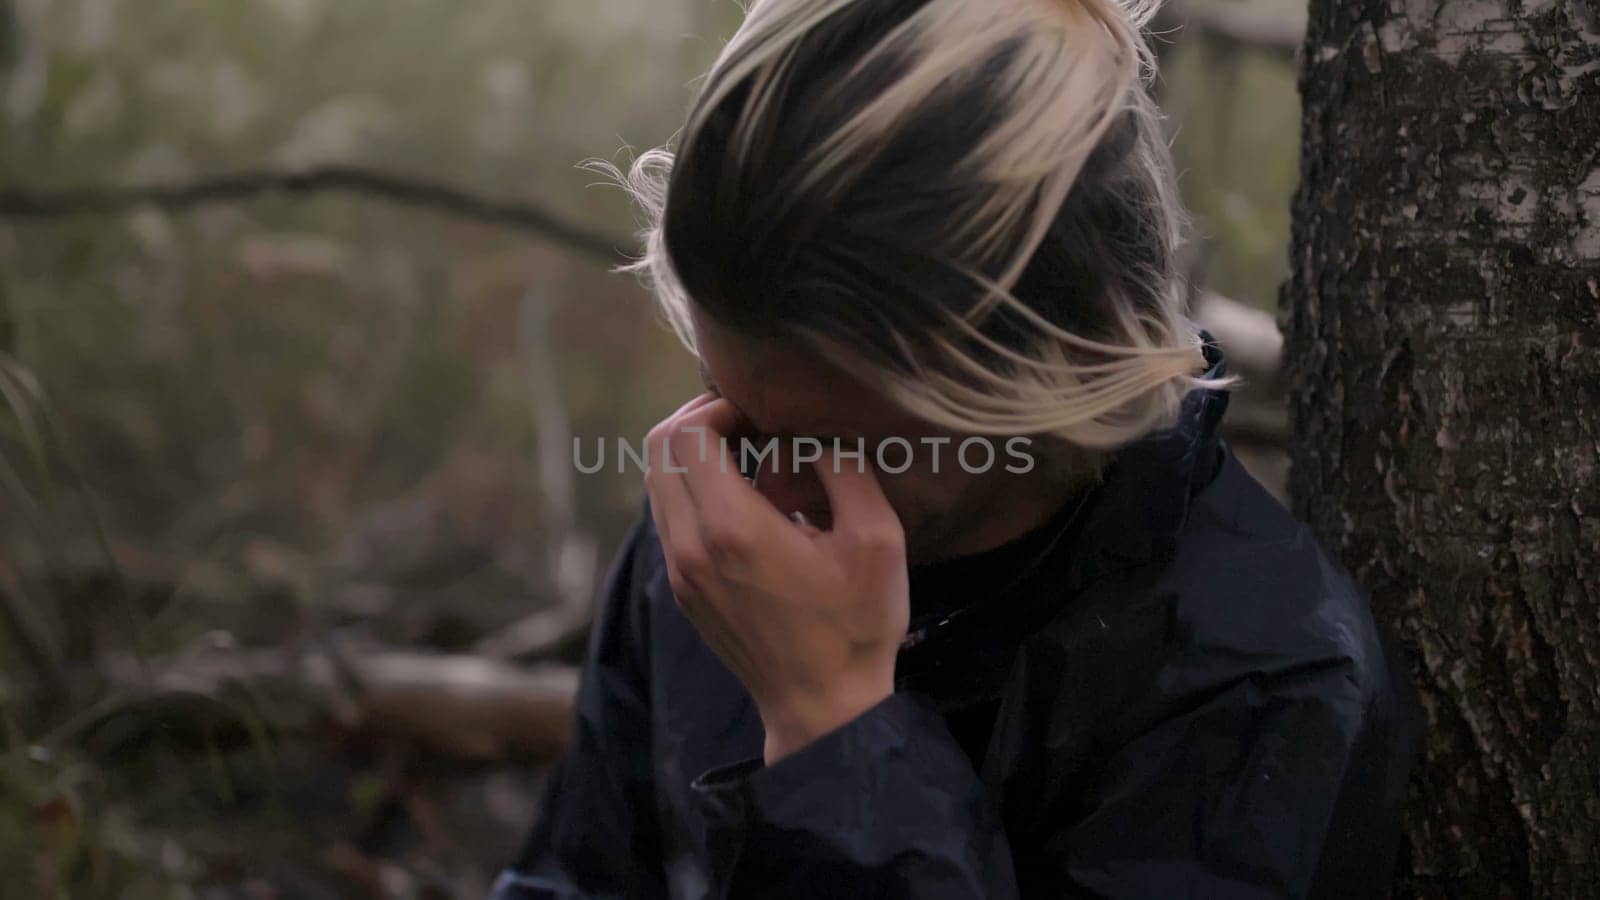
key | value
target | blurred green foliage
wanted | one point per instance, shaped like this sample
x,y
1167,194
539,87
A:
x,y
1236,119
266,420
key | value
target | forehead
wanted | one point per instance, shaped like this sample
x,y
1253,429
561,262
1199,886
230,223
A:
x,y
782,388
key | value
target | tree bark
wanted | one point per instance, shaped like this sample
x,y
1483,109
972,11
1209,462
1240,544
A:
x,y
1443,360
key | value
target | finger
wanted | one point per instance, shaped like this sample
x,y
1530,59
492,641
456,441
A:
x,y
733,516
682,545
656,440
701,445
804,525
689,406
695,402
657,513
655,451
856,498
699,436
670,495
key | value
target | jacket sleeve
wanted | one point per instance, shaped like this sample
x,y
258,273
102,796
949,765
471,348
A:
x,y
887,806
597,834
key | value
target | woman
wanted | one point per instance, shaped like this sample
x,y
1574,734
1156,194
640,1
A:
x,y
1110,667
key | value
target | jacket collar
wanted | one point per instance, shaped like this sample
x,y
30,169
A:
x,y
1143,500
1132,517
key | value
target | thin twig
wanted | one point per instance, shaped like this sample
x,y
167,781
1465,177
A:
x,y
57,203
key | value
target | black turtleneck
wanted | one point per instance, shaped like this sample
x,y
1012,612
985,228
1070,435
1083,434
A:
x,y
970,613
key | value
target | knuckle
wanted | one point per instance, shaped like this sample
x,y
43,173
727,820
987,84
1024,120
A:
x,y
679,433
680,591
656,434
673,440
693,564
883,541
726,539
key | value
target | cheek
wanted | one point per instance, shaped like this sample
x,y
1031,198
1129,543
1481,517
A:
x,y
926,471
918,495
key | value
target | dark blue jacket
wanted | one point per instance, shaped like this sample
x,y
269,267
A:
x,y
1170,691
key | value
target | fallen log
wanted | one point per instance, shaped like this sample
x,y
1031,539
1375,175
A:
x,y
451,705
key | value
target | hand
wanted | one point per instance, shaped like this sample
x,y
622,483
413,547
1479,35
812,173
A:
x,y
809,621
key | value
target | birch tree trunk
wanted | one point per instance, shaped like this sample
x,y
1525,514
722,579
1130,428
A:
x,y
1444,364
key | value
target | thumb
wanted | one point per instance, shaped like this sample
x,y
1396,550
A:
x,y
854,495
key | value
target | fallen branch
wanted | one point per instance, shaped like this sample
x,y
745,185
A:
x,y
1249,336
537,635
452,705
58,203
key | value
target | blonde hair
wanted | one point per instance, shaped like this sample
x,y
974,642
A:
x,y
970,204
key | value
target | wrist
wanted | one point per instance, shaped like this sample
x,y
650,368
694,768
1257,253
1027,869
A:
x,y
798,722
